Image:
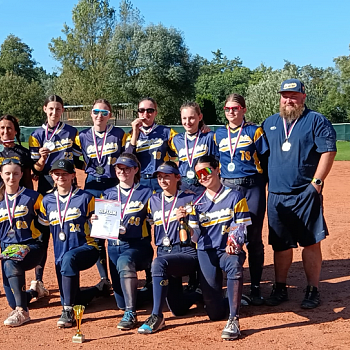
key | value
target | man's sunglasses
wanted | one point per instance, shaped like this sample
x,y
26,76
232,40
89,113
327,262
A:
x,y
103,112
204,172
148,110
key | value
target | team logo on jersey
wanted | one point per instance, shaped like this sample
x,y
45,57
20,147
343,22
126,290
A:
x,y
213,218
144,145
20,211
244,141
72,214
200,150
110,147
134,207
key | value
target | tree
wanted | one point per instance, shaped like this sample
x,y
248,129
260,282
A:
x,y
219,78
21,98
83,53
16,57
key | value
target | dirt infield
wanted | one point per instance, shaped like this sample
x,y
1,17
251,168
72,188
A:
x,y
282,327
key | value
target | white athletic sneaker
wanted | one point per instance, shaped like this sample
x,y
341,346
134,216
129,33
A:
x,y
38,286
17,317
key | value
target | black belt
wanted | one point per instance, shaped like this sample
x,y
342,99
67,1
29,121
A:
x,y
147,176
249,180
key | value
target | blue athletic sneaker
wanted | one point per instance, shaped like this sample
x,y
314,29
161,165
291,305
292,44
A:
x,y
128,321
153,324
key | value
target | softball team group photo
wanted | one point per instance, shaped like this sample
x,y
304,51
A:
x,y
193,206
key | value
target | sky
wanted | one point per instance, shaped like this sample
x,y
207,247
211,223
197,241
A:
x,y
259,32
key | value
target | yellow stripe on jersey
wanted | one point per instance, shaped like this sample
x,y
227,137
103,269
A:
x,y
38,201
144,229
35,232
257,163
33,142
258,133
77,140
91,207
242,207
89,240
125,138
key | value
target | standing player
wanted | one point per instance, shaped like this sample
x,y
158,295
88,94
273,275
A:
x,y
243,155
191,145
302,150
101,146
52,141
216,209
132,252
67,211
18,225
150,142
173,260
9,131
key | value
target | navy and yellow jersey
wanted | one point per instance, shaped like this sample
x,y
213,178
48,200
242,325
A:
x,y
155,216
153,149
76,225
214,217
135,214
26,213
205,146
66,140
114,146
312,135
251,144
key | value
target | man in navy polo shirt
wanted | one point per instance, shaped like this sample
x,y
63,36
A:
x,y
302,146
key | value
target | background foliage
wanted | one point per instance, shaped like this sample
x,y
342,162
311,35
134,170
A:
x,y
110,53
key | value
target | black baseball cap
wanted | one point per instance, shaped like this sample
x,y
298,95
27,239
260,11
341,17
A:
x,y
63,164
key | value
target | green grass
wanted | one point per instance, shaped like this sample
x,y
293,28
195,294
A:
x,y
343,152
342,146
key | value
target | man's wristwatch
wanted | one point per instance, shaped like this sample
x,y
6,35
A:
x,y
316,181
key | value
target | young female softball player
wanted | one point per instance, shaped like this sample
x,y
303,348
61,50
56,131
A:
x,y
132,251
101,146
243,154
150,142
67,211
173,260
216,209
18,225
9,133
52,141
191,145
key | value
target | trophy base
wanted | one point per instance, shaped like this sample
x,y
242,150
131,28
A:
x,y
78,338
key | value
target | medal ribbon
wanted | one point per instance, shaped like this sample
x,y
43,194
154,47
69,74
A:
x,y
11,213
8,141
128,199
98,155
290,130
148,131
233,150
166,223
202,195
62,218
53,133
190,159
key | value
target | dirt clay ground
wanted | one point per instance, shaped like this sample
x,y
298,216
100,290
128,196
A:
x,y
282,327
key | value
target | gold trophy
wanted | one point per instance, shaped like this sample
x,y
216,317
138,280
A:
x,y
78,312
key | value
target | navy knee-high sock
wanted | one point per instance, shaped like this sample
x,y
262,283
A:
x,y
160,292
17,284
70,285
234,295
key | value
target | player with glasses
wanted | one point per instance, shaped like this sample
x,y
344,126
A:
x,y
243,157
150,142
101,145
217,209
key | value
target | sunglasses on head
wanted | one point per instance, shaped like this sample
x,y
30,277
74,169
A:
x,y
103,112
11,160
204,172
233,109
148,110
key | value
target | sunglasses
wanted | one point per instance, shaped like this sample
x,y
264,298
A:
x,y
11,160
233,109
148,110
204,172
103,112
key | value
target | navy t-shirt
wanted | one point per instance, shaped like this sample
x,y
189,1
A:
x,y
292,171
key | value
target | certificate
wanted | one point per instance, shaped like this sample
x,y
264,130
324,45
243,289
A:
x,y
108,222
